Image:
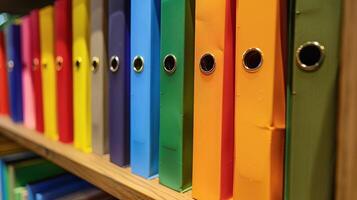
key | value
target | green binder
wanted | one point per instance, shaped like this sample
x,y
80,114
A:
x,y
24,172
176,88
20,193
311,92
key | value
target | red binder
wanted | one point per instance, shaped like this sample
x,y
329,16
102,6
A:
x,y
63,52
36,69
4,99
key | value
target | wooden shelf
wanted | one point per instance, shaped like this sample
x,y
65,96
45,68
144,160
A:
x,y
97,170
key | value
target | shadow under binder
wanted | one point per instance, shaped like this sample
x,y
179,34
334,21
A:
x,y
145,88
119,81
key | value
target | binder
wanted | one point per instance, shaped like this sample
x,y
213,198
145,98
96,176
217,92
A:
x,y
176,93
36,69
81,76
119,81
63,65
27,91
99,76
46,185
24,172
311,99
145,87
87,194
48,72
63,190
213,100
259,102
14,68
20,193
4,101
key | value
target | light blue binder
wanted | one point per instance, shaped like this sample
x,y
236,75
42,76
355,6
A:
x,y
145,87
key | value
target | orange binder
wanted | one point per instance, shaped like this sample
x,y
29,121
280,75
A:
x,y
213,100
260,102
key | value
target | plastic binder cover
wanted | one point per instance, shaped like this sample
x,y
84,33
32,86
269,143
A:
x,y
81,76
36,69
176,89
99,76
27,84
119,81
145,87
48,72
24,172
260,102
14,67
4,100
213,100
49,184
63,52
312,92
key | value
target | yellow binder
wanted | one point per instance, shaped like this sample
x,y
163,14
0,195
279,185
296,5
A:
x,y
81,76
213,100
48,72
260,102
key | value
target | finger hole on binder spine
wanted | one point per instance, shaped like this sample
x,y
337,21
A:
x,y
252,59
170,64
207,64
59,63
310,56
35,64
138,64
77,63
10,65
95,64
114,63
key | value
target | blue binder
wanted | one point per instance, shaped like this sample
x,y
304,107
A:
x,y
3,173
46,185
63,190
145,87
14,64
119,81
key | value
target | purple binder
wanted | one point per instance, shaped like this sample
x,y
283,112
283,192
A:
x,y
119,81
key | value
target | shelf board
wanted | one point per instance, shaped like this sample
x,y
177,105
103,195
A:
x,y
96,169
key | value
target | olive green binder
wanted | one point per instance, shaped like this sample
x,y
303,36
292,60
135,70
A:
x,y
312,91
176,89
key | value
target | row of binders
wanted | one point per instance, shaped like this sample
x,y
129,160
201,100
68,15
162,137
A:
x,y
25,176
234,97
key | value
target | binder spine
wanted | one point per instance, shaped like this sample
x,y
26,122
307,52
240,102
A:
x,y
36,69
99,76
63,52
48,72
81,76
176,90
14,67
4,101
119,81
27,91
145,94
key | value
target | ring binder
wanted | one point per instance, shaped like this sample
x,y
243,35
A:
x,y
310,56
4,88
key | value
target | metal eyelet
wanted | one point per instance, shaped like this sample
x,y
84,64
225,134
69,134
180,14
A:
x,y
59,63
207,64
170,63
10,65
114,63
95,64
310,56
138,64
252,59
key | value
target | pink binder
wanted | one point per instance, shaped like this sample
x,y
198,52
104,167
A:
x,y
27,84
